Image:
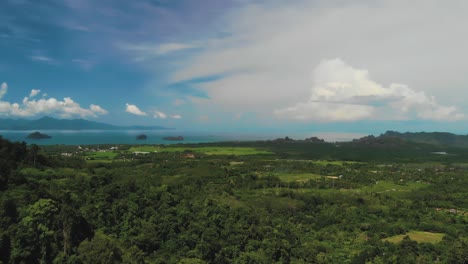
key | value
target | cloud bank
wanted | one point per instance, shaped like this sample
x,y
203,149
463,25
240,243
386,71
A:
x,y
31,107
273,60
343,93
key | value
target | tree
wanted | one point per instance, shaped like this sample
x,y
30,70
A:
x,y
35,240
34,149
99,250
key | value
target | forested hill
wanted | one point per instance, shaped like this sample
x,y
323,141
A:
x,y
281,201
434,138
50,123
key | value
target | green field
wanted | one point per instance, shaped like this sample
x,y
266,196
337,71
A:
x,y
297,177
237,151
387,186
334,162
418,236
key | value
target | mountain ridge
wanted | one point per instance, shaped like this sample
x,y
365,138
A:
x,y
431,138
50,123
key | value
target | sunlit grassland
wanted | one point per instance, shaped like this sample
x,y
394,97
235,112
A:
x,y
388,186
100,161
334,162
328,162
418,236
297,177
234,163
237,151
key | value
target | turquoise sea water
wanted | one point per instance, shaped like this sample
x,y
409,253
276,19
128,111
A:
x,y
88,137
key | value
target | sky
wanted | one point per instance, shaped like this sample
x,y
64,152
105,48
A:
x,y
308,66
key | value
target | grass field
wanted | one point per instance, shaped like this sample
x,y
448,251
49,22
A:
x,y
329,162
234,163
418,236
297,177
237,151
386,186
101,156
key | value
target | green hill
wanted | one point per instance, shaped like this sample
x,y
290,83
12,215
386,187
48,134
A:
x,y
433,138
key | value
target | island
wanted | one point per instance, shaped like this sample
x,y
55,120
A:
x,y
37,135
178,138
141,137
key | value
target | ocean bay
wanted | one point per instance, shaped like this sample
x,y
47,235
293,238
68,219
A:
x,y
91,137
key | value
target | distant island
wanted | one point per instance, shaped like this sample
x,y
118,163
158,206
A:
x,y
290,140
141,137
178,138
37,135
50,123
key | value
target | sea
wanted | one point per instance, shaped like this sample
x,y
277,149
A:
x,y
92,137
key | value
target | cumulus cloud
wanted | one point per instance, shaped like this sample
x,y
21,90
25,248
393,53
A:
x,y
98,110
267,70
34,92
343,93
159,114
28,107
133,109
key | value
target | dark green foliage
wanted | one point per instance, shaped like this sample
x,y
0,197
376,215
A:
x,y
164,208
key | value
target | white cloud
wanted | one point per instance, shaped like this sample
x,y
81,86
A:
x,y
162,115
269,50
133,109
98,110
65,108
343,93
3,89
159,114
34,92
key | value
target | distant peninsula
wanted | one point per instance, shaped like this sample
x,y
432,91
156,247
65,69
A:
x,y
38,135
178,138
50,123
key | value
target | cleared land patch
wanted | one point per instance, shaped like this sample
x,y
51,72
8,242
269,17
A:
x,y
418,236
237,151
297,177
391,187
327,162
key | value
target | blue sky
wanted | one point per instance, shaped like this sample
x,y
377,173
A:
x,y
237,65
